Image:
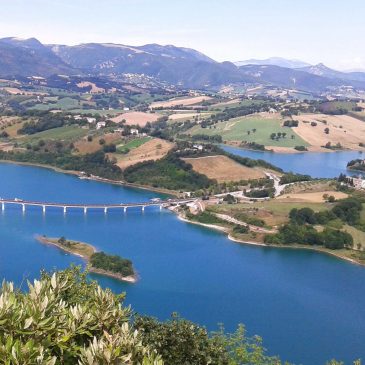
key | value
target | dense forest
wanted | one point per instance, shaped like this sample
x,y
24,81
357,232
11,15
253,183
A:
x,y
169,173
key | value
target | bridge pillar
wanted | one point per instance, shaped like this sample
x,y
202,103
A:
x,y
85,210
23,208
143,208
64,210
44,209
105,210
160,207
2,206
125,209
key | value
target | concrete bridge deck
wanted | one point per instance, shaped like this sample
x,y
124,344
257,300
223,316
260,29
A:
x,y
86,207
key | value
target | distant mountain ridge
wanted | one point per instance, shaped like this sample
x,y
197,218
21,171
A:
x,y
180,66
322,70
274,61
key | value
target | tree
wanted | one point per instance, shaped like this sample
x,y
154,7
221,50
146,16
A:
x,y
327,130
273,136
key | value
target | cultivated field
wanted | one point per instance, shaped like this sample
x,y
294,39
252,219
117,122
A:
x,y
242,129
136,118
343,129
179,116
134,143
68,133
316,197
223,169
183,101
84,146
154,149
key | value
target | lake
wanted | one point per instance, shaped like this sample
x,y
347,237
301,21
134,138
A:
x,y
308,307
316,164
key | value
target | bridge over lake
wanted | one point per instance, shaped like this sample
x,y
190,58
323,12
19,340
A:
x,y
85,207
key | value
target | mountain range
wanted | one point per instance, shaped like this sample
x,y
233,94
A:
x,y
180,66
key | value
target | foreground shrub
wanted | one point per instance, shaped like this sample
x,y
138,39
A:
x,y
63,319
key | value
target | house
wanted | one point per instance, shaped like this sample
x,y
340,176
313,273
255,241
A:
x,y
100,125
91,120
198,147
126,109
359,183
134,131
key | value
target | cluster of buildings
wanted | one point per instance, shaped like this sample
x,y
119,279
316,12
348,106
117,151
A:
x,y
358,182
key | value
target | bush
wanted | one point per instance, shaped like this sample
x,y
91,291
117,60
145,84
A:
x,y
116,264
65,319
301,148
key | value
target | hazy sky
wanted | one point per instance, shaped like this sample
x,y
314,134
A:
x,y
328,31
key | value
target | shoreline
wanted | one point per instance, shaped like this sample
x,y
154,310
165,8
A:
x,y
262,244
289,150
50,241
180,217
94,178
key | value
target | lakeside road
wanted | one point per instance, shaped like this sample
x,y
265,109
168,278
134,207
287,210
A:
x,y
318,249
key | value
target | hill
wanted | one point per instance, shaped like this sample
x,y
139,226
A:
x,y
167,64
29,57
324,71
180,66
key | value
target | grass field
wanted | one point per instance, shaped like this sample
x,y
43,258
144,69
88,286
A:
x,y
69,133
273,212
223,169
233,104
132,144
315,197
84,146
343,129
357,235
154,149
240,129
112,112
63,104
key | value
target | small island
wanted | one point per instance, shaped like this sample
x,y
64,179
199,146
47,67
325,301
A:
x,y
98,262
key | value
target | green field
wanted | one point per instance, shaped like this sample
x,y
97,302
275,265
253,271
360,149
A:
x,y
63,104
241,129
122,148
222,106
101,112
69,133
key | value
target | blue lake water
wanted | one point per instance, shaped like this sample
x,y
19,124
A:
x,y
316,164
308,307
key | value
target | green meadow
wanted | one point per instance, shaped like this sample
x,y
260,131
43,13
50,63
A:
x,y
252,129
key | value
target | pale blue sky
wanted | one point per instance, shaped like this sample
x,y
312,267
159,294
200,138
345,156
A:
x,y
329,31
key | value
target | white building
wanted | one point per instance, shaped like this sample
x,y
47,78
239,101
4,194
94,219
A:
x,y
135,131
100,125
358,182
